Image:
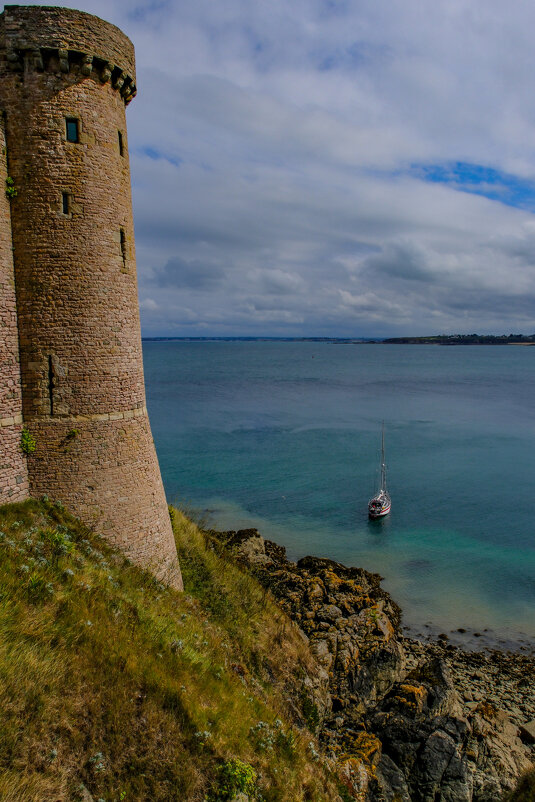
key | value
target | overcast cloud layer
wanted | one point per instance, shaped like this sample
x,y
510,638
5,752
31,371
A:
x,y
322,167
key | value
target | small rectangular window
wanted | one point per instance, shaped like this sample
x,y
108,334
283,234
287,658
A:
x,y
123,246
51,383
66,203
121,146
72,129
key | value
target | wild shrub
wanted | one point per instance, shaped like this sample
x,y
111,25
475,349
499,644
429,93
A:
x,y
234,777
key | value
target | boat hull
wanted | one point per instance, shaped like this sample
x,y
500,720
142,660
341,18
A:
x,y
379,505
379,513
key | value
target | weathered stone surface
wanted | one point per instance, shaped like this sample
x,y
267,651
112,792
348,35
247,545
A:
x,y
13,470
500,756
250,544
392,786
527,731
355,778
328,612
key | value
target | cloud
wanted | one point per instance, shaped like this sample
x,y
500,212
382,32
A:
x,y
401,260
326,167
277,282
149,304
194,274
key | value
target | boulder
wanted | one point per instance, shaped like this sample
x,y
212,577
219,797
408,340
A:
x,y
527,732
249,545
422,732
500,756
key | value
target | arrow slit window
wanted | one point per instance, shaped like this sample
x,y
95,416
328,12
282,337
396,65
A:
x,y
72,129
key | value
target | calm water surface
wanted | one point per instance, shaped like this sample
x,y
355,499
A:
x,y
286,437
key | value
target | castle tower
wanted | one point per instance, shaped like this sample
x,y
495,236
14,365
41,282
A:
x,y
65,79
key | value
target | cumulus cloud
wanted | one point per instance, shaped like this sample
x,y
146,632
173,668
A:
x,y
325,167
194,274
148,303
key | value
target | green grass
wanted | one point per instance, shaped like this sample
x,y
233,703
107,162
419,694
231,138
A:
x,y
113,682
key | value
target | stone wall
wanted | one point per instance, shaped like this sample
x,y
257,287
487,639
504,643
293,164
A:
x,y
105,469
83,393
13,471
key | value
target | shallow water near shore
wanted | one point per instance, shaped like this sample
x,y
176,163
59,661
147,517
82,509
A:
x,y
285,436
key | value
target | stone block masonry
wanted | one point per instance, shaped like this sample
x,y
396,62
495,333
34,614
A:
x,y
65,80
13,470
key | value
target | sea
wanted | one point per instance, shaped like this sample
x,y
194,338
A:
x,y
285,436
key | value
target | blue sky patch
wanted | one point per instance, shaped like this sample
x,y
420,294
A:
x,y
144,11
157,155
480,180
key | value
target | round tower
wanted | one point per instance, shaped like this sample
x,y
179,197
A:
x,y
65,80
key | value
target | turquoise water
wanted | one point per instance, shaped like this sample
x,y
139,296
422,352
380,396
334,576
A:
x,y
286,436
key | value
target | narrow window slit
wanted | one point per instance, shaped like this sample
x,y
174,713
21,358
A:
x,y
51,384
123,246
121,146
71,124
66,202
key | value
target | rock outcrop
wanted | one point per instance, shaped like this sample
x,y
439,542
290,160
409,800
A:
x,y
405,721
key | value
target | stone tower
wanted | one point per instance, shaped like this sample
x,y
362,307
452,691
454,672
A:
x,y
65,80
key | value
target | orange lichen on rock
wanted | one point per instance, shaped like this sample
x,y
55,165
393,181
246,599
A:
x,y
412,696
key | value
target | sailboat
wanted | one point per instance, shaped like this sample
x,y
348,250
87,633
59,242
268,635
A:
x,y
380,504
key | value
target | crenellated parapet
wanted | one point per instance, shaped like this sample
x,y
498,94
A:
x,y
67,42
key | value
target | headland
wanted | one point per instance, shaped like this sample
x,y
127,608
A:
x,y
463,339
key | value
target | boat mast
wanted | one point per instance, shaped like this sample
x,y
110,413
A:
x,y
383,466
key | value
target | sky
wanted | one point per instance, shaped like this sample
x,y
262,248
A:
x,y
332,168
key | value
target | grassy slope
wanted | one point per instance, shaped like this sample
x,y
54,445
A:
x,y
110,681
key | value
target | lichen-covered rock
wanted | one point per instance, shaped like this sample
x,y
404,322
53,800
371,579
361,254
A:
x,y
355,778
440,752
328,612
499,754
423,733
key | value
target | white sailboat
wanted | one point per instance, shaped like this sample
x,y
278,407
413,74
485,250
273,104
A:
x,y
380,504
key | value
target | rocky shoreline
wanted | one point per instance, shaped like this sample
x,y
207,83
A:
x,y
506,679
405,720
473,640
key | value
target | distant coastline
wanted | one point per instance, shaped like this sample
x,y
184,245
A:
x,y
464,339
438,339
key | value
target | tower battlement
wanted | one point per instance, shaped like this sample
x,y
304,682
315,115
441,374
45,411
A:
x,y
65,80
62,40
